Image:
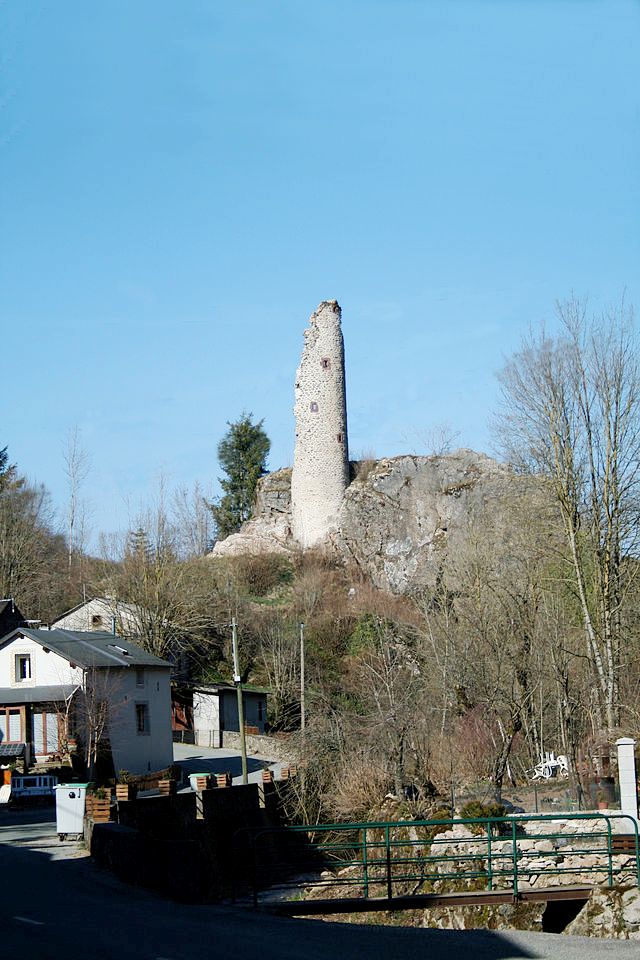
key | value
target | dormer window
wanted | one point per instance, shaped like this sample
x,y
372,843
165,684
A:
x,y
23,667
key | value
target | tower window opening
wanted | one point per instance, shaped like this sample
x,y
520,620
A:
x,y
340,438
325,363
314,407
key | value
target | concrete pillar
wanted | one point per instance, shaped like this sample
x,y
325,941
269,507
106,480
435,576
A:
x,y
628,781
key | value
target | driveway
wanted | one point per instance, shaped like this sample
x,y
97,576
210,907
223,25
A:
x,y
212,760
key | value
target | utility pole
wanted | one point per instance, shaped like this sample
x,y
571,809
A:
x,y
302,704
238,682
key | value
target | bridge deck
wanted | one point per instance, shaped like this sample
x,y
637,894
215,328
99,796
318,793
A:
x,y
306,908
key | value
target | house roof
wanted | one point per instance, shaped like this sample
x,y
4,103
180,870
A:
x,y
224,687
10,615
25,694
90,648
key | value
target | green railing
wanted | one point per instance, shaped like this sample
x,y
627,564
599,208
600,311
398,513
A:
x,y
412,857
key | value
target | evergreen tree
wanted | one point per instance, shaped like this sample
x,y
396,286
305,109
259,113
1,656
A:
x,y
242,453
8,475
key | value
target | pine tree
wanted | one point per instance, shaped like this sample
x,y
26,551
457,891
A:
x,y
8,473
242,453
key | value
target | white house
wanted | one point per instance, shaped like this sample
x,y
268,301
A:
x,y
126,619
57,684
99,614
215,711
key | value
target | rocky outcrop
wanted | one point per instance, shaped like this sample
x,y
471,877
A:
x,y
613,914
399,516
269,530
399,522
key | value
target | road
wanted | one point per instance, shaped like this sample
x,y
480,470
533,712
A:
x,y
213,760
56,902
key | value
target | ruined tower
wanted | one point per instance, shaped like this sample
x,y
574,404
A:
x,y
321,460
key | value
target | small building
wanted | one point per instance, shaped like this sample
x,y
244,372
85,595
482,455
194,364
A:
x,y
215,712
125,619
62,690
100,614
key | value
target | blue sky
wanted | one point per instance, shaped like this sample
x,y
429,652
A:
x,y
182,183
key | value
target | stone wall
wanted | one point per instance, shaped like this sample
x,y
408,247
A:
x,y
188,846
321,460
271,749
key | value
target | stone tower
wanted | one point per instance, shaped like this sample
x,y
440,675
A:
x,y
321,460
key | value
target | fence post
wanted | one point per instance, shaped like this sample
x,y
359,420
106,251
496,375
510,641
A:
x,y
609,850
365,864
489,870
254,870
388,846
514,845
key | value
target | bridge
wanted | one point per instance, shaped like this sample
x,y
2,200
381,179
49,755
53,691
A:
x,y
399,865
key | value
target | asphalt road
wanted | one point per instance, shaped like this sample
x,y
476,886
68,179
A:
x,y
194,759
56,902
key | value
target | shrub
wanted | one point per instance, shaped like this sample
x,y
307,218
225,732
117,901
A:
x,y
474,809
259,574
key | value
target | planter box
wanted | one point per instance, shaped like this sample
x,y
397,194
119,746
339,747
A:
x,y
223,779
126,791
167,787
97,809
267,776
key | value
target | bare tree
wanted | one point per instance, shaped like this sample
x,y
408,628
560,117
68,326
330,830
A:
x,y
31,553
279,657
171,605
97,708
571,413
76,466
194,521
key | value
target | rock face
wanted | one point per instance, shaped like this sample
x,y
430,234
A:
x,y
613,914
397,520
269,530
321,460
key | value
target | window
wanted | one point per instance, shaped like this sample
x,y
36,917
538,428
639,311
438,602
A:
x,y
142,718
314,407
23,667
10,725
340,438
96,620
325,363
139,677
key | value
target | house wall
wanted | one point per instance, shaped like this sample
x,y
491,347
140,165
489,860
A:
x,y
97,614
206,719
134,751
250,702
47,669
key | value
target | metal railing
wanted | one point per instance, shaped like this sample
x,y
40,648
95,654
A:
x,y
387,860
